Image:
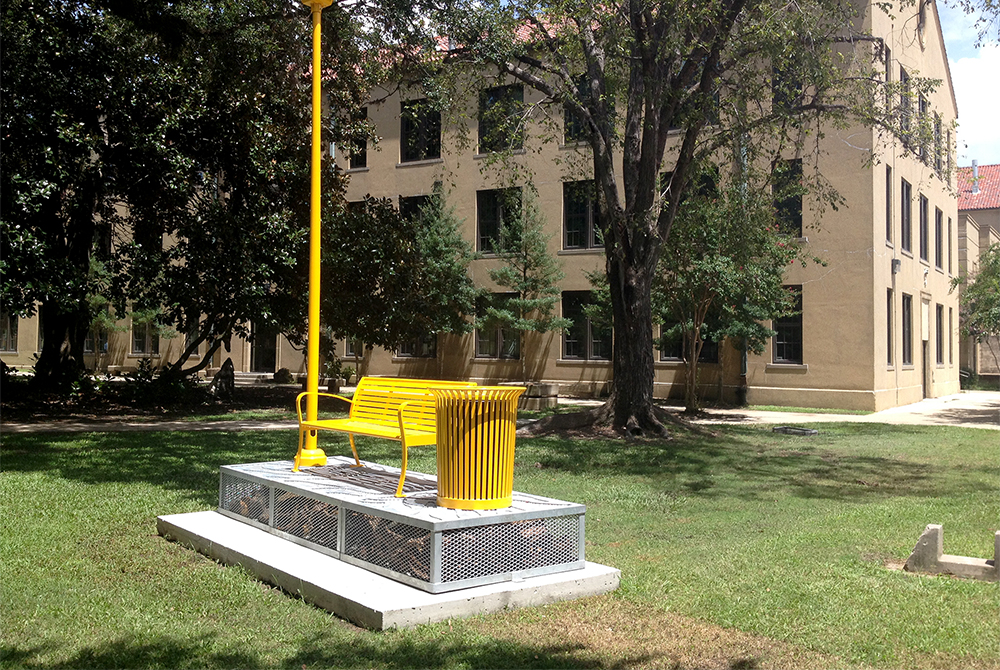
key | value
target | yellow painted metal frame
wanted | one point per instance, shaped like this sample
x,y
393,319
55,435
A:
x,y
475,446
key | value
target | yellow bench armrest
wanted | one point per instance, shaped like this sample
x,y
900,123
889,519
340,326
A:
x,y
298,400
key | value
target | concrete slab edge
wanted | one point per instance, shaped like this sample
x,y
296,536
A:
x,y
360,596
928,557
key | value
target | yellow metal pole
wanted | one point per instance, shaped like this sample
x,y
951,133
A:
x,y
309,454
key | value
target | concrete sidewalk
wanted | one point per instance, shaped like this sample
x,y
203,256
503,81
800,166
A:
x,y
971,409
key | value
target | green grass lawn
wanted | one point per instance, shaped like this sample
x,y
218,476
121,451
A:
x,y
780,541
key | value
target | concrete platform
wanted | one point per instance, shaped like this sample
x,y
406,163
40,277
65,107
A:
x,y
361,596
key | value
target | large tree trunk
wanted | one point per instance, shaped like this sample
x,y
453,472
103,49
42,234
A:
x,y
630,407
60,362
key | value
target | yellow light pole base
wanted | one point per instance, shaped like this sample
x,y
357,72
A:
x,y
307,458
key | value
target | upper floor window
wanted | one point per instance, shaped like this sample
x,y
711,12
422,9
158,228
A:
x,y
420,131
497,213
905,108
359,146
786,90
922,149
581,226
924,227
938,162
8,331
500,110
411,206
788,193
788,333
906,215
583,340
888,204
938,238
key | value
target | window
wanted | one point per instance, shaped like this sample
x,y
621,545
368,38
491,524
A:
x,y
907,325
500,118
922,151
354,348
788,333
951,336
906,215
574,129
420,131
788,192
937,143
8,331
888,204
672,347
145,339
41,331
887,60
924,231
939,334
359,146
583,340
96,341
905,109
949,245
581,227
947,150
492,340
938,238
497,211
424,347
888,327
786,90
411,206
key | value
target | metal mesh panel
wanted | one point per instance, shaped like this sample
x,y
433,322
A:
x,y
480,551
246,498
304,517
388,544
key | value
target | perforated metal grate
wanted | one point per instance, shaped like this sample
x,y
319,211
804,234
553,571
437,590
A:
x,y
246,498
479,551
388,544
304,517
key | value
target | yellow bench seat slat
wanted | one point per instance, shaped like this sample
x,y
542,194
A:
x,y
414,436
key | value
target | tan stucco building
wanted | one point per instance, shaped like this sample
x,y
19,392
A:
x,y
878,327
978,229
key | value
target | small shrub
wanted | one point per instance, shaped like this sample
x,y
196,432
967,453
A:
x,y
283,376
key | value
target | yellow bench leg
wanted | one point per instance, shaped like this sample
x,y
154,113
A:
x,y
357,461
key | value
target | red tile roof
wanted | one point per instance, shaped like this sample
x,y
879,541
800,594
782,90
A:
x,y
989,188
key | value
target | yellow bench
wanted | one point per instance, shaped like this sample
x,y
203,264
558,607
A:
x,y
388,407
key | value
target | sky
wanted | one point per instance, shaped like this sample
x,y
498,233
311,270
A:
x,y
975,74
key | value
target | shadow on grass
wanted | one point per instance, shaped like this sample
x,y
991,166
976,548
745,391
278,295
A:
x,y
741,462
362,650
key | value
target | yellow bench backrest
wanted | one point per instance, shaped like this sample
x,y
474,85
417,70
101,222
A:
x,y
377,400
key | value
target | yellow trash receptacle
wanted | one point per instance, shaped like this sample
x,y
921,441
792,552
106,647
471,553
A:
x,y
475,446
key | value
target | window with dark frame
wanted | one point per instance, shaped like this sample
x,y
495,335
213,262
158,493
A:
x,y
574,129
672,348
494,341
500,110
907,327
420,131
906,215
922,149
788,192
8,331
411,206
939,334
905,108
786,90
888,203
424,347
145,339
788,333
888,327
582,340
938,238
937,144
496,212
924,227
949,245
359,146
581,226
951,336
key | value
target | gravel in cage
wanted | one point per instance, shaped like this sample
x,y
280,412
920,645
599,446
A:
x,y
373,480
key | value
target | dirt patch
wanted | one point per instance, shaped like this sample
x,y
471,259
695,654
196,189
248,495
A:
x,y
607,632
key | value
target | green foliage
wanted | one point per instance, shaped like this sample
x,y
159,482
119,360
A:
x,y
388,278
528,271
980,301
